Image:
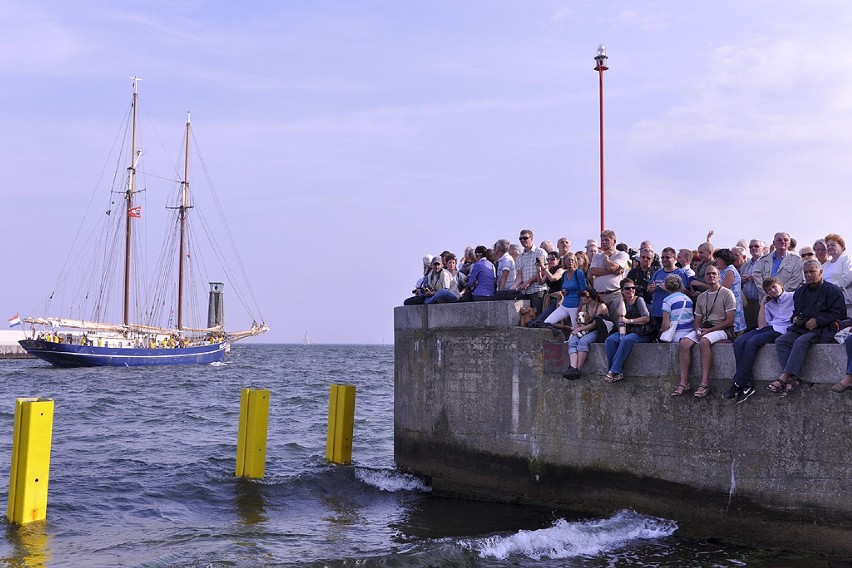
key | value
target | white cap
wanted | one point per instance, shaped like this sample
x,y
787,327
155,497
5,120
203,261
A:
x,y
427,260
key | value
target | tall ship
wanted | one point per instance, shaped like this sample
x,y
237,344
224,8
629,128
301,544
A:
x,y
156,320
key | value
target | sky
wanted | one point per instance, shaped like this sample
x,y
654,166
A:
x,y
347,139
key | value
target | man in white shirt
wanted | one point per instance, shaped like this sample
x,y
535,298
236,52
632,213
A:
x,y
607,268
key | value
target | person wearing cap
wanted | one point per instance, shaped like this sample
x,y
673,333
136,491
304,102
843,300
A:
x,y
591,248
607,268
434,281
443,287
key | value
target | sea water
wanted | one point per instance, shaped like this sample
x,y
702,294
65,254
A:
x,y
142,474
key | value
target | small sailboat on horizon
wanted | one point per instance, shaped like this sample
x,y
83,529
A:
x,y
142,338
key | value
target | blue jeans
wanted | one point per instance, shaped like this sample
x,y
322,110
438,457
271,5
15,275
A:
x,y
792,348
618,347
442,296
848,344
576,344
745,353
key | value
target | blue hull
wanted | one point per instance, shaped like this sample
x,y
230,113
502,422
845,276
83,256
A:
x,y
67,355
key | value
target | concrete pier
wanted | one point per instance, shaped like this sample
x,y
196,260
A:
x,y
9,347
481,409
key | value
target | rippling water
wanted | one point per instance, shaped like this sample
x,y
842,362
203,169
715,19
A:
x,y
142,469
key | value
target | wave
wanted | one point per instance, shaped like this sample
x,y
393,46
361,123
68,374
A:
x,y
391,480
566,539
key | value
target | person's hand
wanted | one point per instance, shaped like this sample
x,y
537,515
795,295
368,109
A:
x,y
811,324
709,235
652,285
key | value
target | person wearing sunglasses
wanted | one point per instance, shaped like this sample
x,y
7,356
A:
x,y
528,280
634,326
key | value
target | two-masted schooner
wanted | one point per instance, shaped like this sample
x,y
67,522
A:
x,y
77,341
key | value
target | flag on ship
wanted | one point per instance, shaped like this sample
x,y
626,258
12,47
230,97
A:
x,y
15,320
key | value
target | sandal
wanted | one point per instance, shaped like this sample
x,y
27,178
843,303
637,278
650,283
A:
x,y
613,377
789,388
680,389
777,386
702,391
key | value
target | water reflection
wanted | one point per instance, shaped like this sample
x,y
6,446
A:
x,y
30,544
250,501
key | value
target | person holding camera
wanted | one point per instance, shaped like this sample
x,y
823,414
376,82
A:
x,y
714,321
817,307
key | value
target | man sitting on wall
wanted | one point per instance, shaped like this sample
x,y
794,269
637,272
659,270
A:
x,y
817,307
714,321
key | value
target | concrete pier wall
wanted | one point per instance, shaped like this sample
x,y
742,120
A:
x,y
482,410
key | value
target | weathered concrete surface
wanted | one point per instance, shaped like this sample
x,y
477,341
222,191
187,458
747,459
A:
x,y
484,412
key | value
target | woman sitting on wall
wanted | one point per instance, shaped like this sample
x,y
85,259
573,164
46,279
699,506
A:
x,y
573,282
677,310
482,278
584,332
634,326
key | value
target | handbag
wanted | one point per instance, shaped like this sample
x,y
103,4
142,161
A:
x,y
668,335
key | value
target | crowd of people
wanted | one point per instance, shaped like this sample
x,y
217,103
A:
x,y
751,294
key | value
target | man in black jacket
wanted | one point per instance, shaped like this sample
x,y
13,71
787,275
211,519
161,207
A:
x,y
817,306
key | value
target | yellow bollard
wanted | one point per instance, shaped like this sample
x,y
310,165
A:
x,y
251,435
30,473
341,420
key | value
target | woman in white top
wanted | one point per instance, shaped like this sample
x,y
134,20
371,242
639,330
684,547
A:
x,y
838,270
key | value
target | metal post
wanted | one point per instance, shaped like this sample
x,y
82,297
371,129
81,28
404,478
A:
x,y
601,66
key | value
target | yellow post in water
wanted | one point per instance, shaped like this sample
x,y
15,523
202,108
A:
x,y
251,435
32,435
341,420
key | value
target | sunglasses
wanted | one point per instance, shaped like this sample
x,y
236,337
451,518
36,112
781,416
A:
x,y
523,238
808,254
629,288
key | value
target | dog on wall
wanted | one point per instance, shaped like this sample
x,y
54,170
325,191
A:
x,y
527,315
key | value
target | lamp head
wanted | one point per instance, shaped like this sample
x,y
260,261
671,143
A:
x,y
601,58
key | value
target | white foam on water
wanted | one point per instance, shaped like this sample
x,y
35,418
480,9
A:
x,y
391,480
570,539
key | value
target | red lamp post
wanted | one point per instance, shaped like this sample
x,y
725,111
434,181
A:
x,y
600,67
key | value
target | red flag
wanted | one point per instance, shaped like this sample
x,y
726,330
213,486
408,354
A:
x,y
135,212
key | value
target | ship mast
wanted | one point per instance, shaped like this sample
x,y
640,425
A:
x,y
130,213
184,207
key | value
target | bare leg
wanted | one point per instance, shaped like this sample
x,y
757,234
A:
x,y
685,358
581,359
572,359
706,360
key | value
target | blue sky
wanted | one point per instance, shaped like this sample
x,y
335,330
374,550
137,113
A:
x,y
347,139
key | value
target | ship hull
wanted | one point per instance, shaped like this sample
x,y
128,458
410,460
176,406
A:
x,y
68,355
